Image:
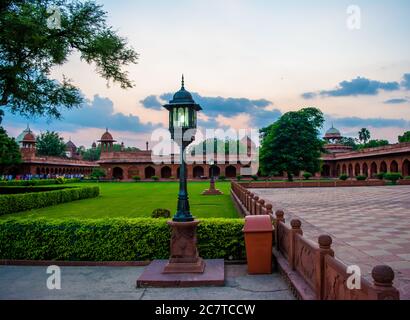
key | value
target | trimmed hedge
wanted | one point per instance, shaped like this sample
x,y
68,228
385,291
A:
x,y
11,203
118,239
37,182
21,189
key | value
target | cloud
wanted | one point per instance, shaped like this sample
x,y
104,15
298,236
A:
x,y
406,81
368,122
98,113
308,95
230,107
396,101
356,87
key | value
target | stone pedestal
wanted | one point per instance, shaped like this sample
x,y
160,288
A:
x,y
212,191
184,253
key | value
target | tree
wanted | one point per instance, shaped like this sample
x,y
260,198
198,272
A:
x,y
9,152
292,143
348,141
374,144
405,137
37,35
364,135
50,144
92,154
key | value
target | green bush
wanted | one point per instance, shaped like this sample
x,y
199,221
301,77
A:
x,y
60,180
161,213
343,177
392,176
119,239
155,178
239,177
361,178
380,175
407,178
36,182
11,203
307,175
255,177
222,178
136,178
172,177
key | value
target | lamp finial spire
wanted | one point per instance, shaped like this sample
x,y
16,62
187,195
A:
x,y
183,82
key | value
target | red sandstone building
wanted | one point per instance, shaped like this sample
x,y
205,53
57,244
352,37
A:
x,y
124,165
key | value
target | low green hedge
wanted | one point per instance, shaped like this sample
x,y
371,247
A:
x,y
37,182
28,189
11,203
118,239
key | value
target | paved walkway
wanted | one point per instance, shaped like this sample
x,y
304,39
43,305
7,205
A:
x,y
27,282
369,225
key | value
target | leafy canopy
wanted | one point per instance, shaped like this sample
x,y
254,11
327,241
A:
x,y
50,144
30,47
292,143
9,151
405,137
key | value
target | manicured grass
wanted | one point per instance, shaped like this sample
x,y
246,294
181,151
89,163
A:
x,y
139,200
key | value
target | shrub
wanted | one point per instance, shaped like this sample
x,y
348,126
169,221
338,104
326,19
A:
x,y
161,213
392,176
60,180
172,177
361,178
343,177
35,182
136,178
222,178
11,203
380,175
255,177
307,175
98,173
118,239
407,178
239,177
155,178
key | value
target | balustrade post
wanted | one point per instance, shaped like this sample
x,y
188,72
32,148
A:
x,y
325,243
261,207
254,205
296,225
383,277
279,218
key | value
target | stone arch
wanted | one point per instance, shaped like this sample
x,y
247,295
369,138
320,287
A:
x,y
215,171
338,170
117,173
230,172
166,172
373,169
198,172
365,169
344,170
357,169
149,172
383,167
350,173
326,170
406,168
394,167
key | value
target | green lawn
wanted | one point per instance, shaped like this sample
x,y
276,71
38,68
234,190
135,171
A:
x,y
138,200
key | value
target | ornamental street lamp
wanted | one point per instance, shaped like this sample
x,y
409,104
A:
x,y
182,126
211,191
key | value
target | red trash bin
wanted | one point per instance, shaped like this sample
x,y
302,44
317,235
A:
x,y
258,231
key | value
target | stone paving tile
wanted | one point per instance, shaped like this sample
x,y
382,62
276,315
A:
x,y
369,225
118,283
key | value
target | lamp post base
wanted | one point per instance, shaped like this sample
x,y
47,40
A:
x,y
184,253
212,191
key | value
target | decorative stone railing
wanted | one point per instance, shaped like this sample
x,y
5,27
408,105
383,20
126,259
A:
x,y
311,269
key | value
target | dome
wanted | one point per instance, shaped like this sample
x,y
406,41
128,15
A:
x,y
29,137
333,131
107,136
20,137
70,145
182,96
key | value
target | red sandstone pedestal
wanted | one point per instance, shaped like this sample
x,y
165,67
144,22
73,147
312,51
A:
x,y
212,191
184,268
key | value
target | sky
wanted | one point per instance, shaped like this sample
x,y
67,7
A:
x,y
247,62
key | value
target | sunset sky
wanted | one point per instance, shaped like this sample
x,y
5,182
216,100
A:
x,y
247,62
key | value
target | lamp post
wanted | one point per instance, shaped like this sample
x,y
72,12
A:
x,y
211,191
182,126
